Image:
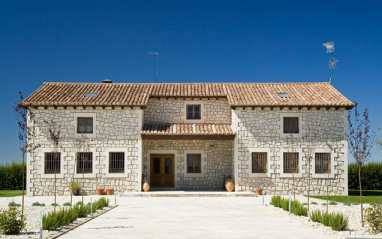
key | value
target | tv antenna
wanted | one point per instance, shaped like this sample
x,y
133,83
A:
x,y
332,61
156,75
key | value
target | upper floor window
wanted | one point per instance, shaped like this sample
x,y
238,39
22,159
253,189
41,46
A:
x,y
116,162
52,163
259,162
194,163
84,162
85,125
290,163
193,111
322,161
291,125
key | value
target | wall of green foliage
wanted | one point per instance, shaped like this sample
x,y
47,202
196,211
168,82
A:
x,y
371,176
11,176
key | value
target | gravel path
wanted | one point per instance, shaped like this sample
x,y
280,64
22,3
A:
x,y
32,213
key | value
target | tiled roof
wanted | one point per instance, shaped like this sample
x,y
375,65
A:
x,y
187,129
238,94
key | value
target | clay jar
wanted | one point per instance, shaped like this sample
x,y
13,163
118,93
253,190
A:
x,y
259,191
146,187
100,191
229,185
109,191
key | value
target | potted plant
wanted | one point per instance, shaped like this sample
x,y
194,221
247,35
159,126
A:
x,y
100,191
76,188
259,191
109,191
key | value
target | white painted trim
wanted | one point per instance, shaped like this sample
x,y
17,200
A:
x,y
290,175
313,163
139,146
163,151
184,112
41,163
301,122
115,175
94,163
202,162
235,126
85,114
260,150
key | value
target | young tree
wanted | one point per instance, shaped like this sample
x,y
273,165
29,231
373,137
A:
x,y
360,142
55,137
26,134
81,144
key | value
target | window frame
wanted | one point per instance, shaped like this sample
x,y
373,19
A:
x,y
298,166
193,164
85,126
300,163
91,163
266,162
57,171
290,125
333,155
193,111
301,124
110,158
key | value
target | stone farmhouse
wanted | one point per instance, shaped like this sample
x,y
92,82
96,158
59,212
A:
x,y
190,136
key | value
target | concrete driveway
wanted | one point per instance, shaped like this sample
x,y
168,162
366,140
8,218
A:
x,y
193,217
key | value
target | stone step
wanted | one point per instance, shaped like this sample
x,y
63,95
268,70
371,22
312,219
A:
x,y
188,194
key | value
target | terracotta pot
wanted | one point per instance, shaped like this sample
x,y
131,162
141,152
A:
x,y
109,191
259,191
146,187
100,191
229,185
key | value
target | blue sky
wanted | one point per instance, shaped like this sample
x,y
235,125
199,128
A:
x,y
198,41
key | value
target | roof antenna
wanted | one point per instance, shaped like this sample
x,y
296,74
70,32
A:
x,y
157,66
332,61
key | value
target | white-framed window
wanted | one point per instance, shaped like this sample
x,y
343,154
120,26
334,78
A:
x,y
260,164
85,161
322,165
193,111
116,162
85,124
195,161
291,163
50,161
291,124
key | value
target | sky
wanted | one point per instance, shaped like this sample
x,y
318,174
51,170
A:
x,y
197,41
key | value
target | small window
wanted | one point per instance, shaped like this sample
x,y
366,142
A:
x,y
85,125
194,163
52,163
117,162
193,112
84,162
90,94
290,163
291,125
283,95
322,161
259,162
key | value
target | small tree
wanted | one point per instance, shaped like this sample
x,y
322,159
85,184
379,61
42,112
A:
x,y
26,136
81,144
55,137
360,142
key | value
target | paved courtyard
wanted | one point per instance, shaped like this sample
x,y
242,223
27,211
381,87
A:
x,y
193,217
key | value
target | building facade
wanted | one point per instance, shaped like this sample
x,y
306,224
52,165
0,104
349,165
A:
x,y
189,136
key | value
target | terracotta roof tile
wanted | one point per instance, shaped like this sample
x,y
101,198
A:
x,y
187,129
238,94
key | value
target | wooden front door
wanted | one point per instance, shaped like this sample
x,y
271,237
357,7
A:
x,y
162,170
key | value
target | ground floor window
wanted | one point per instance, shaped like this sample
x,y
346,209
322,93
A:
x,y
322,161
84,162
259,162
290,162
52,163
194,163
116,162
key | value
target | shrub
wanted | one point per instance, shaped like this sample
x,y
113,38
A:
x,y
347,204
11,222
371,176
54,204
324,204
314,203
305,203
332,203
79,203
276,201
67,204
373,216
38,204
11,176
13,204
355,203
297,208
337,221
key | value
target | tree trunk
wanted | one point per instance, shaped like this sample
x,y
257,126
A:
x,y
360,192
294,192
55,183
327,195
23,185
308,183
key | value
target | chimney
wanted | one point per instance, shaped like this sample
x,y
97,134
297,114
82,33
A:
x,y
107,81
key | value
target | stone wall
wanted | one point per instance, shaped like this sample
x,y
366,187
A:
x,y
116,130
214,110
217,161
320,131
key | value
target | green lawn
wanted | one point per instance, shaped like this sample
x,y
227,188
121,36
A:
x,y
368,196
11,193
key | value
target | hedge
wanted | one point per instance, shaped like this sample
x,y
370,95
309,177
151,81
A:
x,y
371,176
11,176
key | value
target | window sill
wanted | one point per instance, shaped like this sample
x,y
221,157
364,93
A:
x,y
194,175
259,175
323,175
58,175
116,175
290,175
86,175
